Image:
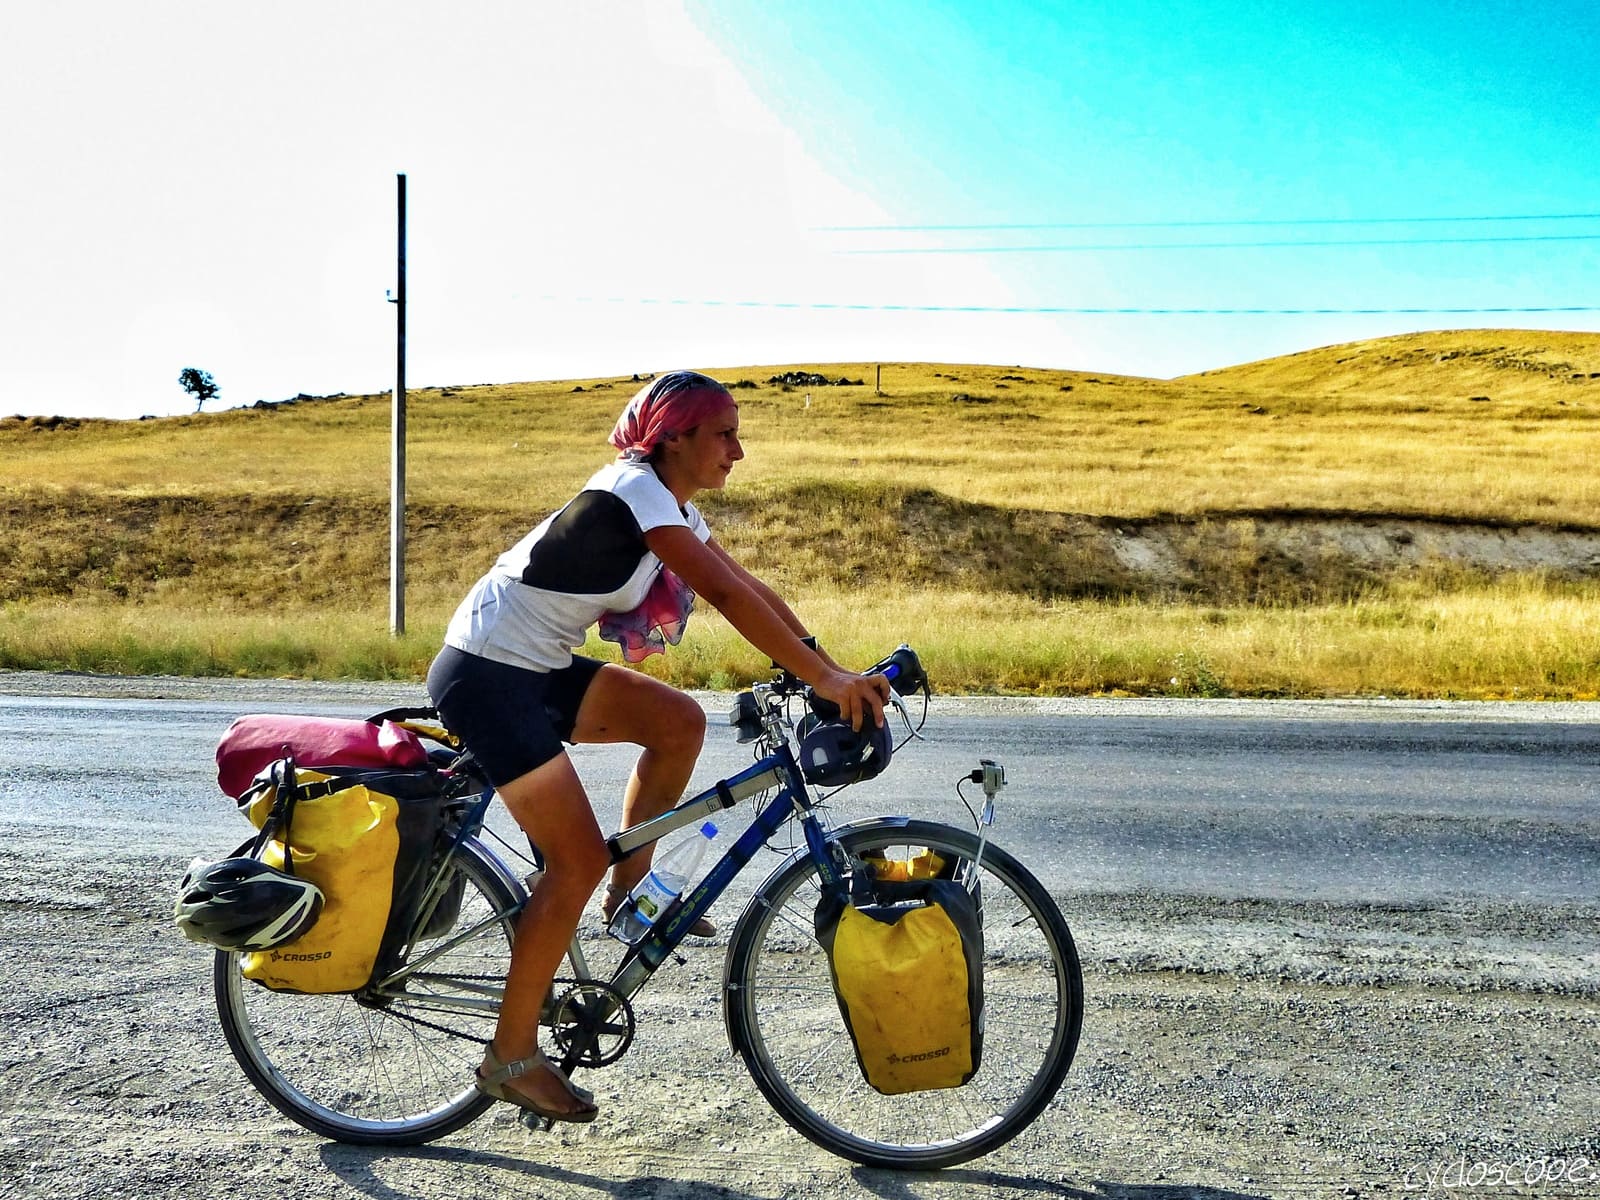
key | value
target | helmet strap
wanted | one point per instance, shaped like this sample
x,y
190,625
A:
x,y
286,794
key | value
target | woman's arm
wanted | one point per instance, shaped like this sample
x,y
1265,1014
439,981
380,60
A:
x,y
765,621
774,601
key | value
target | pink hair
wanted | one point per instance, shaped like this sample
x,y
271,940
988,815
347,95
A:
x,y
671,404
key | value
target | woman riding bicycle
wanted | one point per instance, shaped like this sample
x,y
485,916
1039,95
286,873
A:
x,y
631,552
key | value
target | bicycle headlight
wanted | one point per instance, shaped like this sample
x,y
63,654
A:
x,y
745,717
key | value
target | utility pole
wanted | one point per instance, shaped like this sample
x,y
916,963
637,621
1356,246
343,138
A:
x,y
397,444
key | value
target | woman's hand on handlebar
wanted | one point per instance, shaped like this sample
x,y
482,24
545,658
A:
x,y
858,696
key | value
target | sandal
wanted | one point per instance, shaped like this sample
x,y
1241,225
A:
x,y
702,928
501,1073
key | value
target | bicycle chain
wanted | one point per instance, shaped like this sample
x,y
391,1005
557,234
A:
x,y
456,1033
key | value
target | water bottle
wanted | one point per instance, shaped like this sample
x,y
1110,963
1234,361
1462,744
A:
x,y
666,881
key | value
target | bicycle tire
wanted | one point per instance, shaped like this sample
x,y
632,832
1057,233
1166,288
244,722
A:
x,y
388,1066
784,1020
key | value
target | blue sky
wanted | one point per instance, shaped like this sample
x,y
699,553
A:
x,y
710,183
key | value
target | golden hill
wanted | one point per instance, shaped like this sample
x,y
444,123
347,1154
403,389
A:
x,y
1315,478
1493,364
1457,426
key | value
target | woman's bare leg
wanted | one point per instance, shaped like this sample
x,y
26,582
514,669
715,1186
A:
x,y
625,706
550,804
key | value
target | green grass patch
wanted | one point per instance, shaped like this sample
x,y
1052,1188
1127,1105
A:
x,y
1514,639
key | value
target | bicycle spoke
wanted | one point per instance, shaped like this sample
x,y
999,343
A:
x,y
788,1026
397,1067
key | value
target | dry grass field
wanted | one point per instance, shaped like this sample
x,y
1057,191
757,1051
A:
x,y
1029,530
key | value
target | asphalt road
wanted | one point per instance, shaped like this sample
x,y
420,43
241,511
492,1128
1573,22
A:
x,y
1265,829
1335,801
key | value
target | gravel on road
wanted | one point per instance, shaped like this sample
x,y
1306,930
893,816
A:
x,y
1230,1050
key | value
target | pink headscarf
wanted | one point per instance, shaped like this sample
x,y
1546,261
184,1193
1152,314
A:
x,y
669,404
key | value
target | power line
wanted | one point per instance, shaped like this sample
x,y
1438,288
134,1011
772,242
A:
x,y
1097,247
1241,223
1064,310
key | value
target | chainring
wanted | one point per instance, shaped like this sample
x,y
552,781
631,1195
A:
x,y
593,1024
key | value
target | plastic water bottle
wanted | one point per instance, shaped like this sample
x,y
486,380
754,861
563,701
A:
x,y
666,881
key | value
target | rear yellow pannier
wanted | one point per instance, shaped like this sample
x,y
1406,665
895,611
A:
x,y
363,837
907,969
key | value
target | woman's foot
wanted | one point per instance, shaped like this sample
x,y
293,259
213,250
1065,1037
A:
x,y
536,1084
615,895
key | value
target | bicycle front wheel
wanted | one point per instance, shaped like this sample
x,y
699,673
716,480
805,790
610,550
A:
x,y
784,1019
394,1064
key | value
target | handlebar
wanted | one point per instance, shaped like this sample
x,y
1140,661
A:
x,y
902,668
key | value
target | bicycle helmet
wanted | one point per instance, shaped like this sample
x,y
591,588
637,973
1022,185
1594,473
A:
x,y
832,754
243,904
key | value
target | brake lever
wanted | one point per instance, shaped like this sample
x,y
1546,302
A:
x,y
905,715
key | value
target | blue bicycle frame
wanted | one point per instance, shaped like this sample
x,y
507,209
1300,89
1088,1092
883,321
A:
x,y
777,770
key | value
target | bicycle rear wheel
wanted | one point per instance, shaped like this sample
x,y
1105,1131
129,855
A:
x,y
784,1019
392,1065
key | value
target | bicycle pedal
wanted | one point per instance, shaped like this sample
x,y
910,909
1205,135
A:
x,y
534,1122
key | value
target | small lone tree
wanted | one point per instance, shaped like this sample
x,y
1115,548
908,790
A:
x,y
198,384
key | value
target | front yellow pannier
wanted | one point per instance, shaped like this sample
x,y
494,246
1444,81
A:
x,y
925,864
907,969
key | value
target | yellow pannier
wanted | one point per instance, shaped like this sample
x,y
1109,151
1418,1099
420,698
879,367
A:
x,y
907,969
364,837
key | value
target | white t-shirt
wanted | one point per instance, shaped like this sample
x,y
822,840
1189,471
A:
x,y
535,604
